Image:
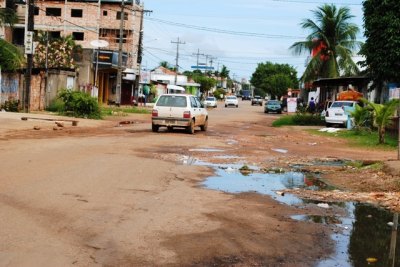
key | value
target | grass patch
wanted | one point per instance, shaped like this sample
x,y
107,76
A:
x,y
284,120
121,111
362,138
299,119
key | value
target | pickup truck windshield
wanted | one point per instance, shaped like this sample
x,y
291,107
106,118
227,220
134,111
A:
x,y
172,101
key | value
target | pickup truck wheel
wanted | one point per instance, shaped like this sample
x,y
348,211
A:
x,y
328,124
155,128
204,126
169,128
190,128
237,106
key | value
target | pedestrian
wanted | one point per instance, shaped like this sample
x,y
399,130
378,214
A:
x,y
311,105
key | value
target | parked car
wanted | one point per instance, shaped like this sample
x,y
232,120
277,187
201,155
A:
x,y
273,106
231,101
256,100
179,111
336,113
210,102
327,105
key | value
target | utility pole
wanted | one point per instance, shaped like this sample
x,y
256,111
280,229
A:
x,y
140,52
178,42
119,73
198,54
29,55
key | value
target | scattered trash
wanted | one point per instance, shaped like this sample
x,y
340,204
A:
x,y
279,150
329,130
126,122
372,260
323,205
312,144
206,150
280,193
390,224
245,169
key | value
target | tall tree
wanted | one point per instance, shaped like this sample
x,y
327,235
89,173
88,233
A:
x,y
382,47
7,16
10,57
331,43
274,79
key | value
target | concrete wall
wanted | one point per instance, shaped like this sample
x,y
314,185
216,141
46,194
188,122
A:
x,y
12,85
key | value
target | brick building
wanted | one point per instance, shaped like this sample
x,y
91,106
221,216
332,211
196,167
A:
x,y
87,21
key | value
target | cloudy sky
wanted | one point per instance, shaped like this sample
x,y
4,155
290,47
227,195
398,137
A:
x,y
235,33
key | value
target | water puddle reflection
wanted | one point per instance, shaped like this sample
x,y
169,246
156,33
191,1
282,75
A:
x,y
362,234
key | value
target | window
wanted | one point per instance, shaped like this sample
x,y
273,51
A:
x,y
50,11
36,11
119,15
79,36
105,13
76,13
123,38
54,35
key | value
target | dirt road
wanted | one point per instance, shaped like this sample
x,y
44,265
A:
x,y
110,194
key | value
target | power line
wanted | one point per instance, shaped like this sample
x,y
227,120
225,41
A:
x,y
216,30
316,2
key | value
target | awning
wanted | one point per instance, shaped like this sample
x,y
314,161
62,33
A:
x,y
175,87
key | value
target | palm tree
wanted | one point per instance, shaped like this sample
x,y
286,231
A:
x,y
382,115
7,17
11,57
331,42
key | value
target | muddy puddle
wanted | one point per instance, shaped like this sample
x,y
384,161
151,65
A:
x,y
362,232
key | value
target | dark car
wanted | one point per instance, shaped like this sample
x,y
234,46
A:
x,y
256,100
273,106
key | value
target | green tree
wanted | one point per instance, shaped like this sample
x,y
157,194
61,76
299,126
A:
x,y
224,73
274,79
205,82
8,16
166,65
382,114
382,46
11,57
332,41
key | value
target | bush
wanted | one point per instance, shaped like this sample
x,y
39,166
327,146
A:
x,y
11,105
217,93
56,105
308,119
79,104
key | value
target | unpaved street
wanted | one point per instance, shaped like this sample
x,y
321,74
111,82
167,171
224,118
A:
x,y
110,194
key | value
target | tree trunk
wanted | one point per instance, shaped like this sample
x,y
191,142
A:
x,y
381,131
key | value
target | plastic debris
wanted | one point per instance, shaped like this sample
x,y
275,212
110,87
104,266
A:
x,y
323,205
279,150
372,260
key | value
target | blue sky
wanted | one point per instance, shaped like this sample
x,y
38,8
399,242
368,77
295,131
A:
x,y
275,22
